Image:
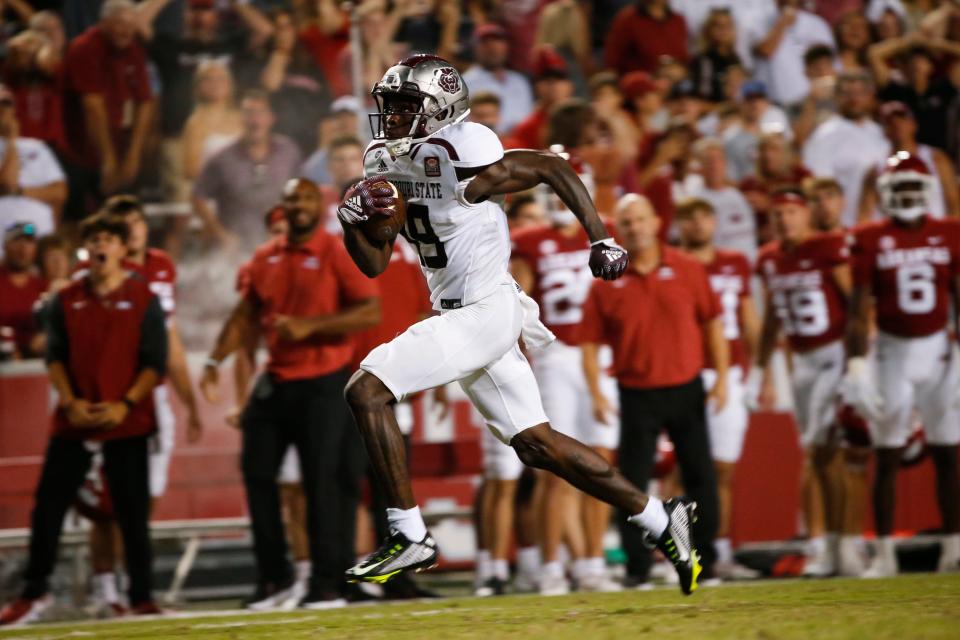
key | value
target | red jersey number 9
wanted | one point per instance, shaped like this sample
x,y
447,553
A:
x,y
803,313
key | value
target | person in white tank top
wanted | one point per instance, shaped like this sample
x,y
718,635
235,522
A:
x,y
448,171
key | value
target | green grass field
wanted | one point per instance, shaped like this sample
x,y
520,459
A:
x,y
917,606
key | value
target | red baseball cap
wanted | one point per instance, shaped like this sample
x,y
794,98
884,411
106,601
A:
x,y
636,84
490,30
547,63
202,4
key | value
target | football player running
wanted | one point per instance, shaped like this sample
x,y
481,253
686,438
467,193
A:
x,y
906,271
448,170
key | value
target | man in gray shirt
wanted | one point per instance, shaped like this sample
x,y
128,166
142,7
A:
x,y
490,73
246,178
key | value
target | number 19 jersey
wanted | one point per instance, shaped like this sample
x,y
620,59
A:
x,y
803,291
909,271
464,248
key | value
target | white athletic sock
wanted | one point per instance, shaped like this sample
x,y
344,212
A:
x,y
552,569
653,518
724,550
409,522
949,551
816,546
302,569
598,565
483,567
106,583
886,550
501,569
581,568
528,561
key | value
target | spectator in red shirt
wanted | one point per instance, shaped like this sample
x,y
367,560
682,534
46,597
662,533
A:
x,y
107,350
326,36
643,34
660,319
108,105
20,286
551,86
306,296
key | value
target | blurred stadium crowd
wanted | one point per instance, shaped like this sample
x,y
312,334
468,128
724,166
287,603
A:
x,y
204,109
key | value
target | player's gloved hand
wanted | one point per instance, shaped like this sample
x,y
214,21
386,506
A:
x,y
858,390
371,196
608,260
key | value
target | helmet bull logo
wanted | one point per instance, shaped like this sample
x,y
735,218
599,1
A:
x,y
449,80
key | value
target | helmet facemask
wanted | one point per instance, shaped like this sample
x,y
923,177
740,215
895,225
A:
x,y
905,195
398,104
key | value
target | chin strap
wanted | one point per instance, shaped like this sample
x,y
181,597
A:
x,y
399,147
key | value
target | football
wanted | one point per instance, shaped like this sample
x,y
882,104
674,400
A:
x,y
380,228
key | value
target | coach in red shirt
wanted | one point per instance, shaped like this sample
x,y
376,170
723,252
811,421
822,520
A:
x,y
660,318
108,106
305,295
106,351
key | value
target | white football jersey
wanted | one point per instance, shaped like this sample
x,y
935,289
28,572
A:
x,y
464,248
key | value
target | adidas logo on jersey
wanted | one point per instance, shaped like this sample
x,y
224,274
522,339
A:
x,y
382,167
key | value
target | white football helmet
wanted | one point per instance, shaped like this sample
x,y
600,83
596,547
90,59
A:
x,y
433,84
905,187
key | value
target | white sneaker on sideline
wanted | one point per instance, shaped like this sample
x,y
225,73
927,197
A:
x,y
822,564
884,563
552,585
596,582
949,554
735,571
525,583
851,561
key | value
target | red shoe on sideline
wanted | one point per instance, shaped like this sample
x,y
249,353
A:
x,y
148,608
24,611
107,610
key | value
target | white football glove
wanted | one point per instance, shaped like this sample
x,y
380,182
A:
x,y
859,391
752,387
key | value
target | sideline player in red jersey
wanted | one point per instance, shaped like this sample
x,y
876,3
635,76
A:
x,y
828,203
729,273
550,263
158,269
906,271
807,282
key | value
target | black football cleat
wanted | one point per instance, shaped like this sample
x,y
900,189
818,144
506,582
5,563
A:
x,y
676,542
395,556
